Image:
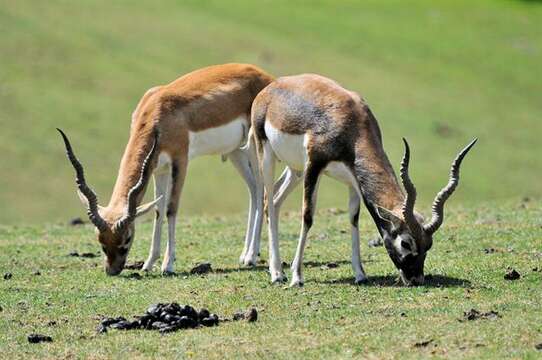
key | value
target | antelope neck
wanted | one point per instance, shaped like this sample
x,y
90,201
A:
x,y
130,168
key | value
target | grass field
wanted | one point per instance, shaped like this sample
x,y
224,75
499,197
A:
x,y
438,73
328,317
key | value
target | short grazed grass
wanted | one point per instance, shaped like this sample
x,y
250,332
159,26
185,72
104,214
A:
x,y
329,317
438,73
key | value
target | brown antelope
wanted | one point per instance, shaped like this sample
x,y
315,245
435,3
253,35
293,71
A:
x,y
204,112
315,126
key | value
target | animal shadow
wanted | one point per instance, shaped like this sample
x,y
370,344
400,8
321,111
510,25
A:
x,y
183,274
315,264
431,281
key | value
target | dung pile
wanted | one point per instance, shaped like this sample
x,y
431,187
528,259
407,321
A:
x,y
164,318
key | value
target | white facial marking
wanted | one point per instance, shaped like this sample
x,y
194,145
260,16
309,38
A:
x,y
402,250
219,140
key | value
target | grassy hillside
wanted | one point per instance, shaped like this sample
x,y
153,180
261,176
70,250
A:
x,y
436,73
327,318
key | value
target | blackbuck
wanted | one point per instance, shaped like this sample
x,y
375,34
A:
x,y
204,112
315,126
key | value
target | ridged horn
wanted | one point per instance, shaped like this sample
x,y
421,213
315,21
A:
x,y
410,199
89,194
438,204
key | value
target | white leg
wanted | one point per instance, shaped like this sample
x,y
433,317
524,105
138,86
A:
x,y
178,174
161,182
254,249
280,181
353,209
310,189
275,265
286,184
242,163
168,266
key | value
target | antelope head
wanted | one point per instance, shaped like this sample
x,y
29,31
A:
x,y
407,237
114,228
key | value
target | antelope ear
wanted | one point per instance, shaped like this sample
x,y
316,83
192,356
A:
x,y
388,216
143,209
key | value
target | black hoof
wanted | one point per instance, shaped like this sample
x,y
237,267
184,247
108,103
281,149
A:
x,y
361,282
281,281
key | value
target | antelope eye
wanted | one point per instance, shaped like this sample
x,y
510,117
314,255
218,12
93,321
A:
x,y
406,245
123,251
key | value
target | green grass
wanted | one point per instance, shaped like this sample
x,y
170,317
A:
x,y
328,318
438,73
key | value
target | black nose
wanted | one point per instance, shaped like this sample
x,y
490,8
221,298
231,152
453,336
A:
x,y
417,280
112,271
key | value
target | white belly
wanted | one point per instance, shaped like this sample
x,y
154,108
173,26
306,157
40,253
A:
x,y
219,140
292,150
288,148
340,172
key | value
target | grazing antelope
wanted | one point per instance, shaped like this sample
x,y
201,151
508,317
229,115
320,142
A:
x,y
315,126
204,112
